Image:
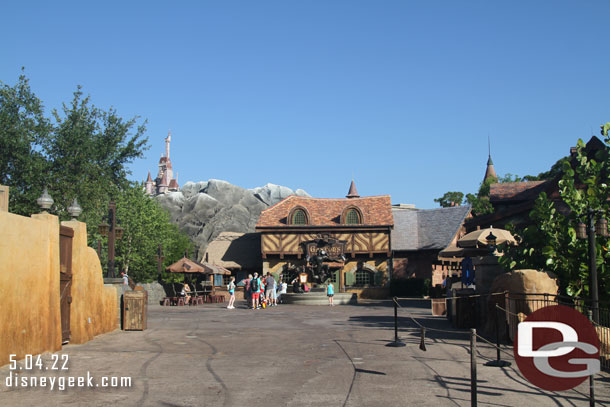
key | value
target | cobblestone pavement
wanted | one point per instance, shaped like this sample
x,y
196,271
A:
x,y
288,355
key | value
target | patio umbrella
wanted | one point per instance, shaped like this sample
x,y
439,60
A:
x,y
478,238
453,252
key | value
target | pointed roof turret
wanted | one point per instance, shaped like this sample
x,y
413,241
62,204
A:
x,y
490,171
149,179
164,181
353,192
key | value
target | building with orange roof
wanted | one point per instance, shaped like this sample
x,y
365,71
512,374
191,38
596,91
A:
x,y
357,228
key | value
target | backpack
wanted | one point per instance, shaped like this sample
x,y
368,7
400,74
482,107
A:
x,y
254,285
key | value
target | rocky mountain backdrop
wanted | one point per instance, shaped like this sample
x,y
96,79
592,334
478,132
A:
x,y
205,209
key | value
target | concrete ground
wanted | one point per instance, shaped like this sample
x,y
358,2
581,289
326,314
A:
x,y
289,355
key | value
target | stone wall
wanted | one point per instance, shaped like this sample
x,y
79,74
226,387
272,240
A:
x,y
156,292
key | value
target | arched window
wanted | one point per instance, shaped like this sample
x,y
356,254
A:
x,y
299,217
352,217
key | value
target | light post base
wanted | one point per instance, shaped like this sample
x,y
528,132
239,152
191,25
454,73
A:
x,y
498,363
396,344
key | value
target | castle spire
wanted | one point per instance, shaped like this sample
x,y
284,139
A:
x,y
168,139
353,192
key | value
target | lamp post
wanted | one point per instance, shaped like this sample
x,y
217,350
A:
x,y
589,230
113,232
491,242
159,257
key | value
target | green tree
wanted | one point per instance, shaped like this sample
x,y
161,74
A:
x,y
88,155
480,202
550,242
450,199
23,131
146,225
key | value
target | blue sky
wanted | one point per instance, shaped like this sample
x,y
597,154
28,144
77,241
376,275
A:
x,y
400,94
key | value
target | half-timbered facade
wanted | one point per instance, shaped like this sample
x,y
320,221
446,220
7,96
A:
x,y
356,228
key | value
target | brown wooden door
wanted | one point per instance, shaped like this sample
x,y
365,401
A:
x,y
65,279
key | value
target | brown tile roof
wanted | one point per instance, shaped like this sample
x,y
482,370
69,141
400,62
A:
x,y
173,184
376,210
515,191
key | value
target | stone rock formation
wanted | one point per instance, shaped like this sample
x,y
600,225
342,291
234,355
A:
x,y
529,290
205,209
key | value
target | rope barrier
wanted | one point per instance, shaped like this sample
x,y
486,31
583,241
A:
x,y
507,311
473,348
452,298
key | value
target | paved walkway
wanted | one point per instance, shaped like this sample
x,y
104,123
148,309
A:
x,y
285,356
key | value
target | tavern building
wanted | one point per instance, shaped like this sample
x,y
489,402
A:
x,y
356,228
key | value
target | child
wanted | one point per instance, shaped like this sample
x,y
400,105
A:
x,y
330,292
231,288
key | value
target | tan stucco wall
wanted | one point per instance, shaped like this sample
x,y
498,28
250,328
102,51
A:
x,y
29,285
94,307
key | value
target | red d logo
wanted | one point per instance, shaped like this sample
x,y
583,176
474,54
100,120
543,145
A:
x,y
557,348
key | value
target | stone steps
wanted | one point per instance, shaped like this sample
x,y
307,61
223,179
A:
x,y
319,298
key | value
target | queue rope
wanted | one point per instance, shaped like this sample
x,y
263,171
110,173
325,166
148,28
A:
x,y
473,335
423,330
454,298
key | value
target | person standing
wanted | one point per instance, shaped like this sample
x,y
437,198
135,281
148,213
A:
x,y
231,288
282,289
247,290
125,278
270,290
330,293
255,287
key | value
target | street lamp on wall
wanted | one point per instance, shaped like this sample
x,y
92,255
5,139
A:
x,y
45,201
589,230
75,209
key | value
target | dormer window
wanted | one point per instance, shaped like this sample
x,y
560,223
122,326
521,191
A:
x,y
351,216
299,217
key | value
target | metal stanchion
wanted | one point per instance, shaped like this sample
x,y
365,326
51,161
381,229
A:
x,y
498,362
397,343
592,377
473,367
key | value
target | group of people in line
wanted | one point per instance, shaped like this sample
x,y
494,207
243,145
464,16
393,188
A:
x,y
261,292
